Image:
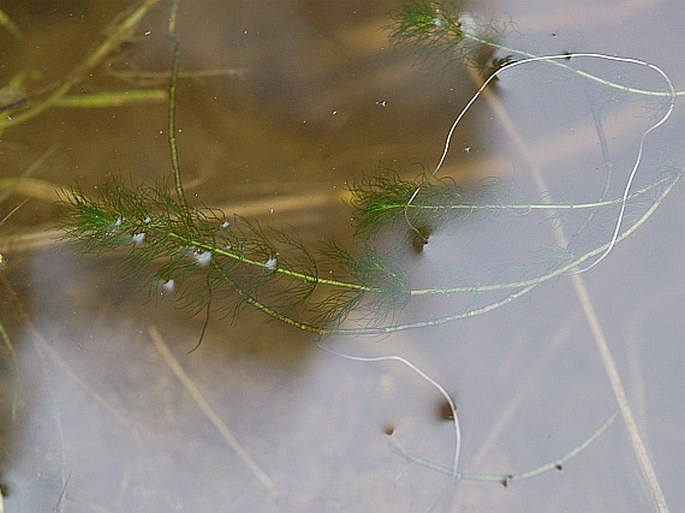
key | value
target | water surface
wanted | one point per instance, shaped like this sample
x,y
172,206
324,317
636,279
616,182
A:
x,y
306,97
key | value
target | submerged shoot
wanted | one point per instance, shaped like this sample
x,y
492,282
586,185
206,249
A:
x,y
241,264
172,242
197,254
446,26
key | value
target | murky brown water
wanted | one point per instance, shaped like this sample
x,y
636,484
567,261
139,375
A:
x,y
305,97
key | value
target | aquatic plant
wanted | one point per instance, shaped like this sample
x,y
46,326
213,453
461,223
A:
x,y
240,263
445,27
223,264
236,262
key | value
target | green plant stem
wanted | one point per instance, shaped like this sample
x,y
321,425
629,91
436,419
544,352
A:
x,y
539,206
585,74
285,272
173,18
173,147
111,98
163,231
563,269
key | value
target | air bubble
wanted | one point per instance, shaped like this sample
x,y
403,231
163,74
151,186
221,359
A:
x,y
168,286
202,257
271,263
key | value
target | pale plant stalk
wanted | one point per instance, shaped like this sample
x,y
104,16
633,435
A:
x,y
589,311
209,412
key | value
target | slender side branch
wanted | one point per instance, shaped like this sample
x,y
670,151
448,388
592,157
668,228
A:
x,y
507,478
175,63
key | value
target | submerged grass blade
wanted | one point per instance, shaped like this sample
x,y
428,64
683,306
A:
x,y
7,23
209,412
15,364
111,99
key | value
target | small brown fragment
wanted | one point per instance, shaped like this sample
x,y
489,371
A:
x,y
420,239
445,411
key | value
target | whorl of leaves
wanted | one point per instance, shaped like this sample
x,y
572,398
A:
x,y
235,261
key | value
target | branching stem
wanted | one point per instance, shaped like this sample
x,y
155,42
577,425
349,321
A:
x,y
171,113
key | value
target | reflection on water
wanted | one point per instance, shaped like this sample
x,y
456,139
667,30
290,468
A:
x,y
280,107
